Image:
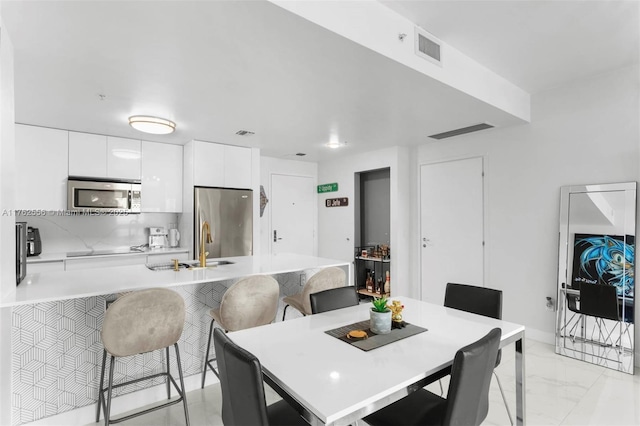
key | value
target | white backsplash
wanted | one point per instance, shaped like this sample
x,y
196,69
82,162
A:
x,y
61,234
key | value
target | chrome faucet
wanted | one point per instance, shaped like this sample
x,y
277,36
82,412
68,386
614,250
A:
x,y
203,254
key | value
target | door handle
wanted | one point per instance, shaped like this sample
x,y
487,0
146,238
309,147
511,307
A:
x,y
275,236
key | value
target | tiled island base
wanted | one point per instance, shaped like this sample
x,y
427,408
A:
x,y
57,350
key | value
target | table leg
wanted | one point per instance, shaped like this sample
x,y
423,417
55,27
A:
x,y
520,385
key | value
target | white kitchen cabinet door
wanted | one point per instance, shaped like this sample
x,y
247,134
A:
x,y
87,155
237,167
208,164
103,262
161,177
41,158
123,158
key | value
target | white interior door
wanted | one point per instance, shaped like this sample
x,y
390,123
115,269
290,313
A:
x,y
293,213
452,226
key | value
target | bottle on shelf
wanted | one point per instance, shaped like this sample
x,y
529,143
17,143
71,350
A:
x,y
369,282
387,284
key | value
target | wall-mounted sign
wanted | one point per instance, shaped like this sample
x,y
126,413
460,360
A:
x,y
336,202
328,187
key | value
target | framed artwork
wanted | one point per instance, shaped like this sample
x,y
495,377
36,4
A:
x,y
604,259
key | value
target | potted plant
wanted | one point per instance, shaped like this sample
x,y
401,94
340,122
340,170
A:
x,y
380,316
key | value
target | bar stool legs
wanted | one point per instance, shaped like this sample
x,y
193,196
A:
x,y
207,361
106,404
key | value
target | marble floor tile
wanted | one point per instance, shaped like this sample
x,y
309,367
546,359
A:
x,y
560,391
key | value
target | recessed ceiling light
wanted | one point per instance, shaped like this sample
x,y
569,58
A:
x,y
335,144
153,125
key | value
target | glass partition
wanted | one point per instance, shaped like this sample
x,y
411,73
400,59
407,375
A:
x,y
596,274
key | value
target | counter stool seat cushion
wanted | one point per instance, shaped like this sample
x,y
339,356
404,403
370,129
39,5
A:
x,y
142,322
326,279
250,302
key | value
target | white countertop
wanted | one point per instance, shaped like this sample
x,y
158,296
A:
x,y
63,285
58,257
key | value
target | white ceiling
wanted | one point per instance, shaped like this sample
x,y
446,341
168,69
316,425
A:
x,y
216,67
537,44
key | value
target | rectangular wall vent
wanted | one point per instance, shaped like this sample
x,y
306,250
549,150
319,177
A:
x,y
427,46
462,131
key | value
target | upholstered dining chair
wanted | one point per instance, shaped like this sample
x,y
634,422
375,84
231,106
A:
x,y
467,401
250,302
600,301
327,278
481,301
334,298
137,323
241,382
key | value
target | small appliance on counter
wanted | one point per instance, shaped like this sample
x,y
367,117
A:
x,y
174,235
21,251
157,237
34,243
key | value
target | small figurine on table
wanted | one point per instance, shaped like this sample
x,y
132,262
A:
x,y
396,314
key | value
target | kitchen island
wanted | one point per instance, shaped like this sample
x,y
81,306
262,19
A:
x,y
57,316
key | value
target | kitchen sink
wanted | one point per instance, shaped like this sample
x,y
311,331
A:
x,y
210,264
166,266
217,262
191,264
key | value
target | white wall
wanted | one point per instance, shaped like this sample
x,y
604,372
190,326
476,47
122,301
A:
x,y
62,234
268,167
336,225
7,223
582,133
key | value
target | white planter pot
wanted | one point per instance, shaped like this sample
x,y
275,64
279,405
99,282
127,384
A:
x,y
380,322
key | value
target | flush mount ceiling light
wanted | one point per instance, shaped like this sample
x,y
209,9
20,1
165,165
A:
x,y
153,125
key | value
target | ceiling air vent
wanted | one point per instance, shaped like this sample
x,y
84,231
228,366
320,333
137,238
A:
x,y
245,133
462,131
428,47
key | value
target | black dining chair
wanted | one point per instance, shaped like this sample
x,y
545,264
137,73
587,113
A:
x,y
467,401
601,302
241,382
573,304
334,298
481,301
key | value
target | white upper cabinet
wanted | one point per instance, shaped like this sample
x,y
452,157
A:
x,y
208,164
221,165
161,177
104,156
87,155
237,170
123,158
41,158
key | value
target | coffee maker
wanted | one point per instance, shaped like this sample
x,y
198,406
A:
x,y
157,237
34,243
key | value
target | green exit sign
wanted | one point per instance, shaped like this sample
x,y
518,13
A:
x,y
328,187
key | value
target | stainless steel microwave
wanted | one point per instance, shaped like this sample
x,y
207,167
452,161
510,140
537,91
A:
x,y
94,195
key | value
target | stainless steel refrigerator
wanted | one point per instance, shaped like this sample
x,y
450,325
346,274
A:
x,y
229,213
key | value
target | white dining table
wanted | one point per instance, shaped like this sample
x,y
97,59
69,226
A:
x,y
331,382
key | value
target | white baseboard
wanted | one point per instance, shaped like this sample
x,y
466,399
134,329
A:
x,y
131,401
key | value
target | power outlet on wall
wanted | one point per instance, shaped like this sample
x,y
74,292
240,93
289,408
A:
x,y
303,279
551,304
